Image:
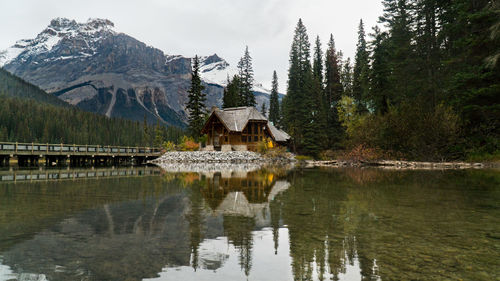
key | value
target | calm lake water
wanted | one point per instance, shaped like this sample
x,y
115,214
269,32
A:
x,y
268,224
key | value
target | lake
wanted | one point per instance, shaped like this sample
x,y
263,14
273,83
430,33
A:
x,y
249,223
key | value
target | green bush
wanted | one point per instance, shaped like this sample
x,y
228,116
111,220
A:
x,y
188,144
416,132
169,146
262,147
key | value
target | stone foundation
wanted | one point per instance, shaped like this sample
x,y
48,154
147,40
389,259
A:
x,y
208,148
241,147
225,148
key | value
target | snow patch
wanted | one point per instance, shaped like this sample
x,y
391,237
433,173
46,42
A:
x,y
47,41
217,71
51,42
8,55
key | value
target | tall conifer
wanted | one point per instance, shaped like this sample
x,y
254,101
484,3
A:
x,y
245,69
361,70
232,95
299,103
196,102
274,105
333,93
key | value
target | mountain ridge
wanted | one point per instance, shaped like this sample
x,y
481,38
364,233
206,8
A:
x,y
98,69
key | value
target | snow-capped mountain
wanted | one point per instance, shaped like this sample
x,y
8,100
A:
x,y
84,37
215,70
99,69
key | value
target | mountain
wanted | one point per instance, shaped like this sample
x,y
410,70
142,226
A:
x,y
13,86
28,114
98,69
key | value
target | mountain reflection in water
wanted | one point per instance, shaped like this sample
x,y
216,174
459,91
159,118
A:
x,y
253,223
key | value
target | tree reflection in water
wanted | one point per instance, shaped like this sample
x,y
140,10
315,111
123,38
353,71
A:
x,y
261,224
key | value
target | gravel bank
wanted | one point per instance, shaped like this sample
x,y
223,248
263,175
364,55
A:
x,y
210,157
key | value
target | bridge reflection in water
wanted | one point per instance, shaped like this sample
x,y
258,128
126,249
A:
x,y
71,174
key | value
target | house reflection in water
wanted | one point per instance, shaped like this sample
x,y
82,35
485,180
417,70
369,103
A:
x,y
243,194
243,200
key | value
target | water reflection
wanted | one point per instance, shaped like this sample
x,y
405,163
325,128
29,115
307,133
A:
x,y
50,174
269,223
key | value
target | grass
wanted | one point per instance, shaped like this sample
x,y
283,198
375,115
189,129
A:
x,y
303,157
483,157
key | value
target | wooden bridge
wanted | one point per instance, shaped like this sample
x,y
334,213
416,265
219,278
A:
x,y
29,154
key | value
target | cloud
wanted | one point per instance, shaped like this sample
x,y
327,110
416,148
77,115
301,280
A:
x,y
205,27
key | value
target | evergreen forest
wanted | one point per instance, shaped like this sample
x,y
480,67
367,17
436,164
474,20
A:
x,y
28,114
424,84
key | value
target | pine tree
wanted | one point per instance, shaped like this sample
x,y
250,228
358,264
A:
x,y
196,102
379,75
232,95
333,93
401,55
263,109
298,104
473,84
146,136
274,104
158,141
295,107
346,77
245,69
320,106
361,70
318,61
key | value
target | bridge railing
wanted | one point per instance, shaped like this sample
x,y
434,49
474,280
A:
x,y
75,148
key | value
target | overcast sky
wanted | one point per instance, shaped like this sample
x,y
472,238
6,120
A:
x,y
204,27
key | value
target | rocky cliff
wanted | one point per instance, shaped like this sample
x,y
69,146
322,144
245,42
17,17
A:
x,y
98,69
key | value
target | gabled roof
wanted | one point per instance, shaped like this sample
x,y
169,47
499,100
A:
x,y
278,135
236,118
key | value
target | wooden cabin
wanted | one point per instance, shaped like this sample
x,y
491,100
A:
x,y
241,128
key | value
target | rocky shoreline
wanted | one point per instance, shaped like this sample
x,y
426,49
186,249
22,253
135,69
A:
x,y
396,164
173,159
235,157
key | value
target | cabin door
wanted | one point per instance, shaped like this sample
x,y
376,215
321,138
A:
x,y
216,140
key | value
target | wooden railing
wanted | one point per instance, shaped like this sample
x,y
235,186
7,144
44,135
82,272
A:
x,y
75,149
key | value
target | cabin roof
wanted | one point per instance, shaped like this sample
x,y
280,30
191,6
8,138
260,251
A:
x,y
236,118
278,135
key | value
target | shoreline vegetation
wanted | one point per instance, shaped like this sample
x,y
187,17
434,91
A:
x,y
203,160
398,164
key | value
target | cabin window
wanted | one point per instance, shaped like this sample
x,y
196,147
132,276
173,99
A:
x,y
226,139
249,138
256,138
244,138
256,129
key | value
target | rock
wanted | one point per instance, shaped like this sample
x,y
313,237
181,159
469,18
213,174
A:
x,y
216,157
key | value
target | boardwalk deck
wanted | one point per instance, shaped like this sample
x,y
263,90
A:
x,y
28,154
